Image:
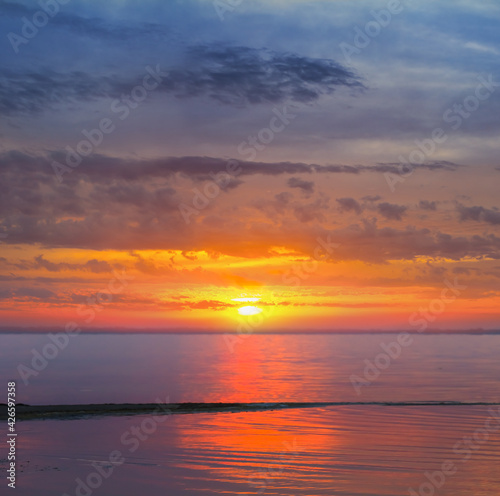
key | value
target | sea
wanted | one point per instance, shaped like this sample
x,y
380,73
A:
x,y
420,418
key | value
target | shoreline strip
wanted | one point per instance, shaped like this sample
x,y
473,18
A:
x,y
67,412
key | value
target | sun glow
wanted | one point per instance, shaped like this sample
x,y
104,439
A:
x,y
249,310
246,300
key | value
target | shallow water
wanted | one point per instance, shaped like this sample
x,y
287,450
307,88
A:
x,y
343,450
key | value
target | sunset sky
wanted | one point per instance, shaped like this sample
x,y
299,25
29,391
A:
x,y
164,164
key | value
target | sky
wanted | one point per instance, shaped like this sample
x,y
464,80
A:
x,y
250,166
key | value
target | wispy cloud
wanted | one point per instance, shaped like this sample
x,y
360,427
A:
x,y
230,75
479,214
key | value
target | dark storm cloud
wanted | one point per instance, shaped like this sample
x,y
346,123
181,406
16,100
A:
x,y
230,75
391,211
479,214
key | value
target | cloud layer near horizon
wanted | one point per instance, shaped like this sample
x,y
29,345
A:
x,y
112,203
317,142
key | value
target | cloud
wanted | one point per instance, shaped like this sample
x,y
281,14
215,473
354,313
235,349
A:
x,y
241,75
27,294
311,211
132,204
283,205
280,204
94,266
92,27
230,75
32,92
472,45
427,205
306,187
349,205
371,198
195,305
395,167
466,270
391,211
38,293
479,214
104,168
389,243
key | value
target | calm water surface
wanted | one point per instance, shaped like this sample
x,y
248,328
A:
x,y
352,450
201,368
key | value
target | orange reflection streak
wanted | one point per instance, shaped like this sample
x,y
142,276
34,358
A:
x,y
248,366
356,450
254,447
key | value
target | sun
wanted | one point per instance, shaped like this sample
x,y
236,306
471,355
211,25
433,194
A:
x,y
249,310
